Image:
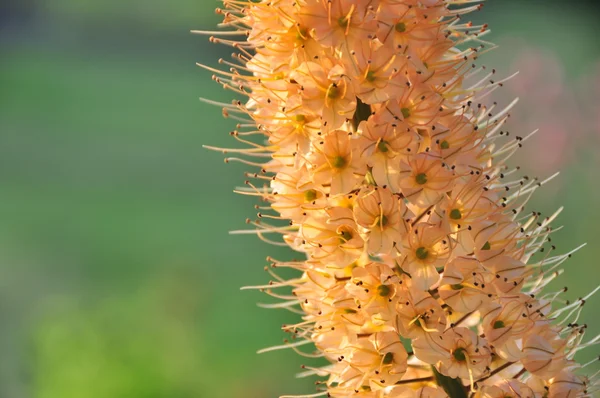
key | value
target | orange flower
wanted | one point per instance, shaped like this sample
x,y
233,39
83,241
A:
x,y
325,90
335,23
507,389
424,179
377,72
383,145
374,287
460,352
425,248
335,162
419,314
466,285
378,212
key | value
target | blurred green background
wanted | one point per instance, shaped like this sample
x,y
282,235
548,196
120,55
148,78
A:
x,y
117,274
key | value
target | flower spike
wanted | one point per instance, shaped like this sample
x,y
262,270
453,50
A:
x,y
380,163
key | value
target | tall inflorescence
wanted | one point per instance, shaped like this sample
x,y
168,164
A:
x,y
378,160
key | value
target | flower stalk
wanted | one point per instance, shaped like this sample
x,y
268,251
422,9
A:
x,y
453,387
379,157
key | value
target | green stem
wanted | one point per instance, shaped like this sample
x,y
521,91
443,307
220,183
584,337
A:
x,y
453,387
410,381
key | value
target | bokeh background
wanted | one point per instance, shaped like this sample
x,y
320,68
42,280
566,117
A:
x,y
117,274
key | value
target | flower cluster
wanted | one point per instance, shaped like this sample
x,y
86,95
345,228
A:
x,y
384,168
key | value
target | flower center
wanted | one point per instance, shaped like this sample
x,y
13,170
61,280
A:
x,y
400,27
421,178
405,113
498,325
300,118
383,220
345,236
455,214
457,287
302,34
383,290
444,144
310,195
422,253
343,22
371,76
486,246
382,147
338,162
333,92
388,358
460,354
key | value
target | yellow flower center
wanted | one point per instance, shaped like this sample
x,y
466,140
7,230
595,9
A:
x,y
310,195
343,22
455,214
422,253
338,162
383,290
405,112
382,147
302,34
345,236
388,358
400,27
382,221
460,354
333,92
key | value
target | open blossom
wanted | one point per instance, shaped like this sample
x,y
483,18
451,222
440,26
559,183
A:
x,y
426,247
457,352
418,314
466,285
326,90
424,179
377,161
507,389
378,212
